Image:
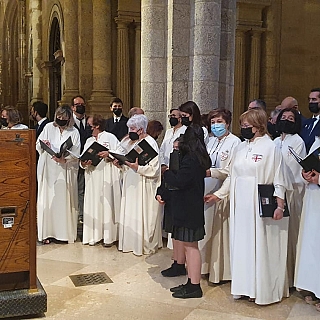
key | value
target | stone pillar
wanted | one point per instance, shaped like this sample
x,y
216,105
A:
x,y
227,54
178,60
239,78
123,68
101,91
36,34
206,53
22,92
71,51
254,65
137,67
153,58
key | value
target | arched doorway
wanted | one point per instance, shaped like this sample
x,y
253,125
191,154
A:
x,y
55,58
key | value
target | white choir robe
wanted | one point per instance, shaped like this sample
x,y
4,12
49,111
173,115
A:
x,y
214,248
102,196
164,153
295,196
140,213
308,256
57,203
258,246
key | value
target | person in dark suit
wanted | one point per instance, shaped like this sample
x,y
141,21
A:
x,y
118,123
78,107
311,127
38,113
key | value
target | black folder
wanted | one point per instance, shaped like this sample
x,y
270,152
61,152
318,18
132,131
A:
x,y
63,148
268,202
91,153
309,162
143,151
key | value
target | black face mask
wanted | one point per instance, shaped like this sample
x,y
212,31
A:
x,y
314,107
117,112
173,122
61,123
286,126
80,108
4,122
247,133
133,136
185,121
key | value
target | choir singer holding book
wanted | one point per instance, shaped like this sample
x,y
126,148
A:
x,y
57,206
258,245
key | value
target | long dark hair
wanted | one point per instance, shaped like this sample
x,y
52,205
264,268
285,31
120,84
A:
x,y
191,143
192,108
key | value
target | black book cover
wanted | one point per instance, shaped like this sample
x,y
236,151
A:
x,y
268,202
143,151
92,153
309,162
63,148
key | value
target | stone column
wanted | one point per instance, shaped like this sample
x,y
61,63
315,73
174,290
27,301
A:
x,y
71,51
123,68
239,78
22,92
206,53
137,67
254,65
227,54
153,58
101,91
36,33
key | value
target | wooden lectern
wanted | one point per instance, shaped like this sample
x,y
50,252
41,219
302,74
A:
x,y
18,222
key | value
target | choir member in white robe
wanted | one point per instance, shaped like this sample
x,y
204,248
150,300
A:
x,y
289,125
103,192
258,246
308,256
57,205
140,213
11,118
214,248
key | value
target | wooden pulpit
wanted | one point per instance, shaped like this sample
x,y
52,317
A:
x,y
17,210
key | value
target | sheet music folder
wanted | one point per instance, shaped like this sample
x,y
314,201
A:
x,y
308,163
268,202
91,153
63,148
143,151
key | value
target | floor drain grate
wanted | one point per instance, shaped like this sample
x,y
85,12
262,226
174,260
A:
x,y
89,279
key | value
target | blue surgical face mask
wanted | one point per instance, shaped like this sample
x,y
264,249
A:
x,y
218,129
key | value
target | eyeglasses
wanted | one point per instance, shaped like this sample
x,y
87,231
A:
x,y
244,126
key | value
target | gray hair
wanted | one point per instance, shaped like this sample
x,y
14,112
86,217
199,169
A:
x,y
138,121
65,111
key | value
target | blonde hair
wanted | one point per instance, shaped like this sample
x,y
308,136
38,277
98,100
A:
x,y
65,111
257,118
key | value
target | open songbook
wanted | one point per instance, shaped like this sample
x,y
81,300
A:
x,y
91,153
143,151
308,163
63,148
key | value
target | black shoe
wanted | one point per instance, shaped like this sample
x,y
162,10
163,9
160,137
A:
x,y
178,288
184,294
175,270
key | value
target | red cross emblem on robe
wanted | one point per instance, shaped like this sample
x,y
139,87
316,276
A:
x,y
257,157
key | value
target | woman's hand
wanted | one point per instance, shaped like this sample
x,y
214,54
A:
x,y
86,163
311,176
208,173
116,163
278,214
103,154
211,198
59,160
133,165
47,142
159,199
164,168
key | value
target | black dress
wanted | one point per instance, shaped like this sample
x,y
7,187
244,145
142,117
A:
x,y
187,205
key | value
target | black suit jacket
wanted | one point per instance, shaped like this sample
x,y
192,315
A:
x,y
119,129
307,134
87,133
40,128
